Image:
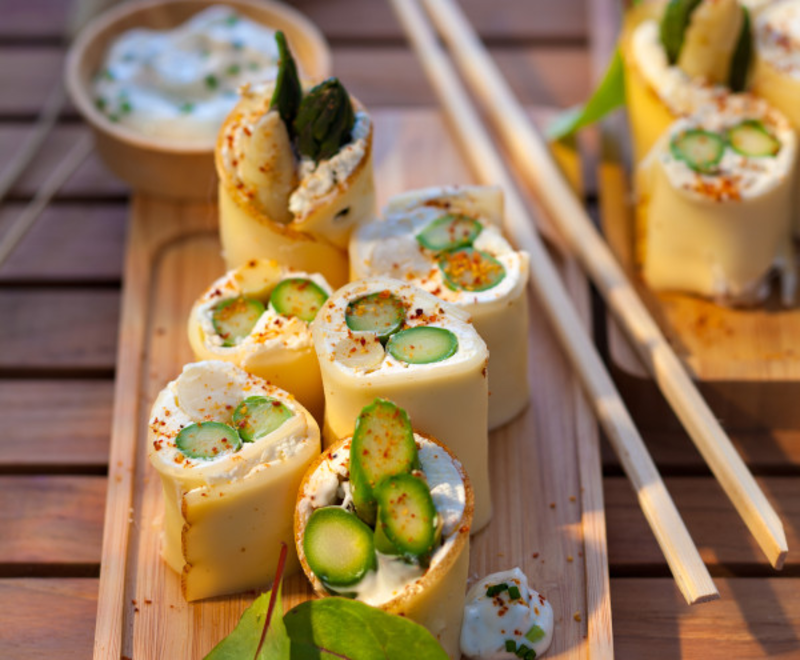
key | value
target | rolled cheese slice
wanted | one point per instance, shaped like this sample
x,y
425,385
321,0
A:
x,y
776,74
718,227
447,399
272,206
432,596
657,92
464,217
226,516
279,347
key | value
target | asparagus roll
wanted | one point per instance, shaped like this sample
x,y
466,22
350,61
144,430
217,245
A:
x,y
448,242
382,337
384,517
679,56
776,74
714,212
231,451
295,169
258,317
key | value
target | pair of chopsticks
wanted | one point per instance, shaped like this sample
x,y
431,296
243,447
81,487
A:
x,y
538,168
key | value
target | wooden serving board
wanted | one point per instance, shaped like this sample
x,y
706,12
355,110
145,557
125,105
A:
x,y
545,466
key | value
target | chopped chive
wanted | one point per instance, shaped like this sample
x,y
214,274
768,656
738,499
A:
x,y
126,107
233,19
107,74
535,634
511,646
100,103
253,66
211,81
496,589
234,70
186,107
513,592
113,118
524,652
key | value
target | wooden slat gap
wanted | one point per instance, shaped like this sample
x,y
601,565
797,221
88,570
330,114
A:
x,y
93,283
60,469
26,570
55,373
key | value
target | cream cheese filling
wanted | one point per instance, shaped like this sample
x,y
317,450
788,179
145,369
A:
x,y
272,332
210,391
680,93
390,247
337,342
777,34
239,148
328,486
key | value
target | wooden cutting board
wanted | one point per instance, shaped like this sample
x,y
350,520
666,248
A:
x,y
545,467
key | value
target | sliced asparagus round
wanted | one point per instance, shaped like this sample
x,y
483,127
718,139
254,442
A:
x,y
382,313
258,416
700,150
207,440
471,270
449,232
752,138
383,445
233,319
407,515
338,547
299,297
422,345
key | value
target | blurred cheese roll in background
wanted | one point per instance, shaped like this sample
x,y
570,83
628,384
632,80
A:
x,y
384,338
448,241
231,451
715,203
257,316
679,56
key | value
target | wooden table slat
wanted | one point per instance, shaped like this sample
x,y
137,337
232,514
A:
x,y
51,519
74,432
58,330
69,242
564,20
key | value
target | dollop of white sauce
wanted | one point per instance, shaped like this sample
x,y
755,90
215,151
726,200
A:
x,y
738,176
328,485
390,247
777,35
330,329
489,621
181,84
681,94
210,391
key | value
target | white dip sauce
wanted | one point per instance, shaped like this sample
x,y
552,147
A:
x,y
492,621
181,84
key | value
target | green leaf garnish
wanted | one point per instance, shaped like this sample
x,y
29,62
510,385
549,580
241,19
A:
x,y
288,91
328,625
323,628
324,121
260,633
607,97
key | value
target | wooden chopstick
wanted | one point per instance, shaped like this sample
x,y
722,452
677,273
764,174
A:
x,y
681,554
530,151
